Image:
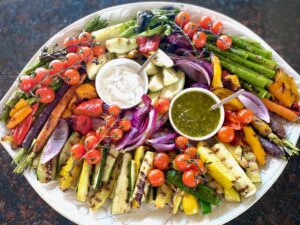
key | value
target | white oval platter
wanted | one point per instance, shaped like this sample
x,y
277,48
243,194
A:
x,y
79,213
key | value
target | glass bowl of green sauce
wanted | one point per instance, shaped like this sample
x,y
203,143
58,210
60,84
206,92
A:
x,y
190,114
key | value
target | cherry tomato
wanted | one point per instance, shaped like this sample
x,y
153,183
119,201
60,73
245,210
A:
x,y
56,66
182,18
232,120
26,83
181,142
110,121
85,38
199,39
91,142
245,116
93,156
206,22
98,50
92,132
198,166
190,29
191,151
114,110
217,27
78,151
190,179
162,105
116,134
71,44
224,42
125,124
45,94
42,76
156,177
86,53
226,134
182,162
161,161
71,59
71,76
102,132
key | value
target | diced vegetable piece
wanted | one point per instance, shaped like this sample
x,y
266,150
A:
x,y
120,203
231,195
233,104
156,83
139,190
215,167
252,170
92,67
163,196
170,91
19,116
189,204
151,69
99,170
69,174
162,59
255,144
46,172
86,91
242,183
281,110
65,153
109,164
237,153
84,182
121,45
169,75
97,200
201,191
20,105
217,70
176,201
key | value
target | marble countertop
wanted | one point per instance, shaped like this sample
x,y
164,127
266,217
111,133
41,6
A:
x,y
26,24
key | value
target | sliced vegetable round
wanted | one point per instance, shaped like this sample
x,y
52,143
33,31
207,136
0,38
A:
x,y
224,42
217,27
26,83
199,39
245,116
161,161
46,94
182,18
181,142
78,151
190,179
190,29
206,22
156,177
93,156
162,105
182,162
226,134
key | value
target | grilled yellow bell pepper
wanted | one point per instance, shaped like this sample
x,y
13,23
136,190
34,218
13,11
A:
x,y
19,116
217,72
20,105
189,204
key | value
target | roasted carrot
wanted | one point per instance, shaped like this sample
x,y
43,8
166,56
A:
x,y
53,119
280,110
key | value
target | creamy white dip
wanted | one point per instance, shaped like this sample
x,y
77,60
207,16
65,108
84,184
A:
x,y
122,86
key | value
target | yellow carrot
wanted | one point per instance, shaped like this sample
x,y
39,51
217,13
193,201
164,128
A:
x,y
19,117
280,110
255,145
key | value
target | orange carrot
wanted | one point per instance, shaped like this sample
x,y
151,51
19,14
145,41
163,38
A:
x,y
281,110
54,118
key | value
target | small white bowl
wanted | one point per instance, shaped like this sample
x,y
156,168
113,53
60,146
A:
x,y
118,62
209,93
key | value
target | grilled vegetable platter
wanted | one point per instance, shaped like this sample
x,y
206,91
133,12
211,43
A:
x,y
154,152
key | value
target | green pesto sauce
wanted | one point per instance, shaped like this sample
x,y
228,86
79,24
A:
x,y
192,116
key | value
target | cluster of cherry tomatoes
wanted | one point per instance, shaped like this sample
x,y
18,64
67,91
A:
x,y
234,122
81,49
112,128
196,31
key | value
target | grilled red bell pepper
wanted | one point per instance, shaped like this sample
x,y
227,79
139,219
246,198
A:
x,y
91,107
148,44
20,132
